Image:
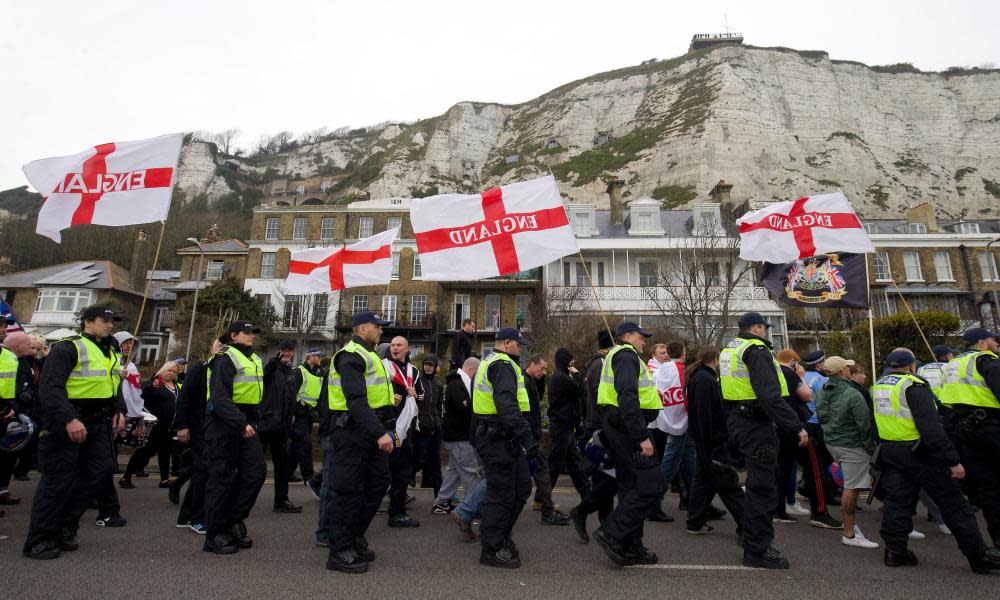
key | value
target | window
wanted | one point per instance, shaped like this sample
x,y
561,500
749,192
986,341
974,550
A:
x,y
881,263
159,318
581,224
461,310
389,308
645,222
911,264
916,228
214,270
326,228
988,266
712,277
918,304
418,270
419,308
267,264
942,266
265,299
647,274
416,349
521,303
949,304
967,228
871,227
395,265
320,304
596,270
395,222
492,312
271,229
365,226
299,228
566,279
292,318
885,304
69,301
359,304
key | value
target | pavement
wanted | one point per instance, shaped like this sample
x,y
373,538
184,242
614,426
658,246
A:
x,y
151,558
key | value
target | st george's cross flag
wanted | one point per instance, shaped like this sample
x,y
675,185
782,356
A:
x,y
318,270
794,229
501,231
124,183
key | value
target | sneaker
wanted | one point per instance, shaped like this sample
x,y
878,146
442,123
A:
x,y
126,484
198,528
44,550
916,535
556,518
825,521
165,484
403,520
464,527
287,507
858,541
314,486
322,543
442,509
504,558
641,555
892,559
703,530
944,529
221,543
579,523
612,548
658,516
111,521
346,561
183,525
797,510
537,506
411,499
784,519
770,559
239,535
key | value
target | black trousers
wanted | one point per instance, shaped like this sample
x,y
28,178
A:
x,y
160,444
565,454
979,446
427,458
357,483
639,485
508,485
193,505
903,474
236,472
757,442
277,442
709,480
400,471
108,504
300,447
601,495
27,458
71,476
812,459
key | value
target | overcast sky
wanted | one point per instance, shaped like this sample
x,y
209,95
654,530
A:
x,y
75,74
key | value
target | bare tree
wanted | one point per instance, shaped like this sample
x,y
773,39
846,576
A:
x,y
565,317
302,317
225,140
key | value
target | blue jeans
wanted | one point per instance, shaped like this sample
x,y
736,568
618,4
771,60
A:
x,y
469,508
679,453
323,527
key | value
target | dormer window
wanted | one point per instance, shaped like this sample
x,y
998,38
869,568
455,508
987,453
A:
x,y
582,217
581,224
706,219
644,217
916,228
871,227
967,228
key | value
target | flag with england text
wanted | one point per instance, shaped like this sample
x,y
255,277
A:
x,y
318,270
501,231
123,183
8,315
835,280
794,229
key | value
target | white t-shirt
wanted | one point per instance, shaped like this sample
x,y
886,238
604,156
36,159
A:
x,y
669,380
131,392
653,365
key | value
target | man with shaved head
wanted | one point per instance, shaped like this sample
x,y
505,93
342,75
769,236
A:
x,y
403,375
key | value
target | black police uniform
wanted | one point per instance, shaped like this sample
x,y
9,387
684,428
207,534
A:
x,y
300,449
601,496
907,467
190,415
359,478
236,467
752,426
71,473
504,443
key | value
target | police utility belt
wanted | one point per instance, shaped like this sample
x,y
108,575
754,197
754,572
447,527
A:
x,y
92,411
492,431
972,416
748,409
342,418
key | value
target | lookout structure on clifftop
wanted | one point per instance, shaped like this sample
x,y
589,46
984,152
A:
x,y
700,41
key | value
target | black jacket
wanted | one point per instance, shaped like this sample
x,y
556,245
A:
x,y
627,416
52,398
275,405
509,416
160,401
592,416
351,368
221,407
767,386
933,439
461,349
190,409
565,391
457,410
430,396
536,391
989,368
706,412
29,368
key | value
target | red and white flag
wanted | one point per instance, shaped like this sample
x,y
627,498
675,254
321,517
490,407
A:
x,y
499,232
794,229
123,183
318,270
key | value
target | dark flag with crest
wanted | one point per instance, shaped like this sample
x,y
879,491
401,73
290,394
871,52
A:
x,y
823,281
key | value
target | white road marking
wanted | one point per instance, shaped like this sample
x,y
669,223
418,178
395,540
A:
x,y
698,567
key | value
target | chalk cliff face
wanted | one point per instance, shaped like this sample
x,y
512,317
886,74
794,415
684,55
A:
x,y
777,123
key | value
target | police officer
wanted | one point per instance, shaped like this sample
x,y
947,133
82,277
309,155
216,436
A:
x,y
754,388
933,372
503,439
360,399
628,401
305,384
969,398
236,467
916,453
80,400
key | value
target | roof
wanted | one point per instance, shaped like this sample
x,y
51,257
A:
x,y
97,275
232,245
898,225
159,275
187,286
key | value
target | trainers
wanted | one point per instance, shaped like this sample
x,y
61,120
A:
x,y
198,528
858,541
944,529
916,535
579,523
239,534
111,521
797,510
221,543
314,486
442,508
44,550
703,530
641,555
183,525
556,518
287,507
346,561
784,519
893,559
411,499
658,516
464,527
770,559
504,558
612,548
403,520
126,484
825,521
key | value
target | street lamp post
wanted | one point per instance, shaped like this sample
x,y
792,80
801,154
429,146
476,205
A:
x,y
991,264
197,288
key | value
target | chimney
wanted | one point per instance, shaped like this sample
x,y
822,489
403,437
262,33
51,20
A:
x,y
720,193
140,261
615,194
923,213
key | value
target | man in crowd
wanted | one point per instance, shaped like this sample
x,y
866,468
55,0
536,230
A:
x,y
672,420
461,344
305,385
463,463
403,376
657,356
535,384
272,427
427,438
565,391
846,422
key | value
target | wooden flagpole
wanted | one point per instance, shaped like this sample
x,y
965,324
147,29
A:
x,y
871,322
145,293
597,297
908,310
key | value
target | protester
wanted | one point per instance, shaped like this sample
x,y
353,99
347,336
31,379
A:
x,y
13,381
461,344
275,414
403,376
658,356
159,396
672,420
534,381
463,463
565,391
798,397
427,437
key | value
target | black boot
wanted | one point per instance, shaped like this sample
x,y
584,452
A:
x,y
612,548
221,543
894,559
770,559
240,537
346,561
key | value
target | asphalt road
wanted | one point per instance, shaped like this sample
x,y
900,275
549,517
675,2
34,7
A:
x,y
151,558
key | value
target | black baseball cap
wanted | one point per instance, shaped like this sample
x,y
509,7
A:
x,y
92,312
629,327
899,358
509,333
976,335
369,317
430,359
941,350
286,345
752,318
604,340
242,325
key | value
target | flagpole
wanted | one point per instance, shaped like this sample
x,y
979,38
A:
x,y
597,297
908,310
871,321
145,293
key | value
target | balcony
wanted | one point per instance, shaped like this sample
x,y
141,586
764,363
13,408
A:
x,y
401,319
530,276
629,299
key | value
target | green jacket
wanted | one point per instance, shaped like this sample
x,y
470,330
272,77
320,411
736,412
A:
x,y
844,415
